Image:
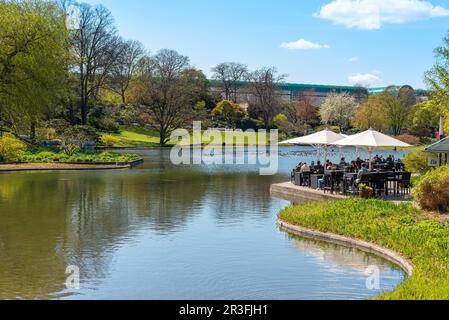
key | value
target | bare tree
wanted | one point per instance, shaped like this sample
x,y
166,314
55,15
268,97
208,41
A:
x,y
169,89
263,85
230,75
96,47
303,110
124,69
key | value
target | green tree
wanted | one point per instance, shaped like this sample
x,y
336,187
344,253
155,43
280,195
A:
x,y
371,114
229,112
33,56
437,79
397,111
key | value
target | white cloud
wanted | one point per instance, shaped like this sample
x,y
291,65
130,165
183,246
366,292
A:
x,y
366,79
303,45
353,59
372,14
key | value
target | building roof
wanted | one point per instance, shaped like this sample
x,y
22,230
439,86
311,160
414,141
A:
x,y
302,87
439,147
317,87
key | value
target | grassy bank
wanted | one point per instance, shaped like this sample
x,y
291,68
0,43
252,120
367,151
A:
x,y
421,237
134,137
60,157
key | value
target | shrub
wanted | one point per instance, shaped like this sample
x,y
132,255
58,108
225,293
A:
x,y
109,141
11,148
80,135
408,138
46,134
71,149
108,124
59,125
432,191
365,191
416,162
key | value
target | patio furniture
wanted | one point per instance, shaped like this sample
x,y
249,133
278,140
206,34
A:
x,y
305,179
371,139
314,180
404,183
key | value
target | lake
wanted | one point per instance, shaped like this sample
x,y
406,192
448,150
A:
x,y
160,231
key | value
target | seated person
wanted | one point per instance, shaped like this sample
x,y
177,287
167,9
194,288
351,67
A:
x,y
364,171
312,166
305,168
319,168
359,163
331,167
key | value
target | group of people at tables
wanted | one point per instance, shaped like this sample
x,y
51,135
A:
x,y
358,166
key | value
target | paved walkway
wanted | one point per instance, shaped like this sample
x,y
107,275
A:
x,y
294,193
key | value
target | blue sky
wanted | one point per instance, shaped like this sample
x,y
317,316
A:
x,y
374,42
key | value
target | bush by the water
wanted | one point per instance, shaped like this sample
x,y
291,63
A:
x,y
432,191
11,148
416,162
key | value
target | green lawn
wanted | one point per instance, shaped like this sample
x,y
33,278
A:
x,y
130,137
421,237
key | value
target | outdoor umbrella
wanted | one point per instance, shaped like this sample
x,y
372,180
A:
x,y
370,140
318,140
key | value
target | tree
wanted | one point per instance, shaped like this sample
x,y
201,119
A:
x,y
407,95
97,48
437,78
371,114
282,123
229,112
302,111
263,85
123,71
230,76
338,109
33,42
169,89
397,111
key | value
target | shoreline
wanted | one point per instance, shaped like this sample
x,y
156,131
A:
x,y
54,166
362,245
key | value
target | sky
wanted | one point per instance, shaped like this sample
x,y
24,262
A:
x,y
335,42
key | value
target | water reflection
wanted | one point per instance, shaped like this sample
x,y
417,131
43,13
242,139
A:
x,y
162,232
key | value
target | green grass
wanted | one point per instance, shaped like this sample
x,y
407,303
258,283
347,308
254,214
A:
x,y
418,236
60,157
130,137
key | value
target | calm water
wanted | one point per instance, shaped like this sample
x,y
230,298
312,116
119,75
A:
x,y
164,232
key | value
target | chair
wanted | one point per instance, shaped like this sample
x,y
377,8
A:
x,y
328,183
404,183
305,179
380,183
